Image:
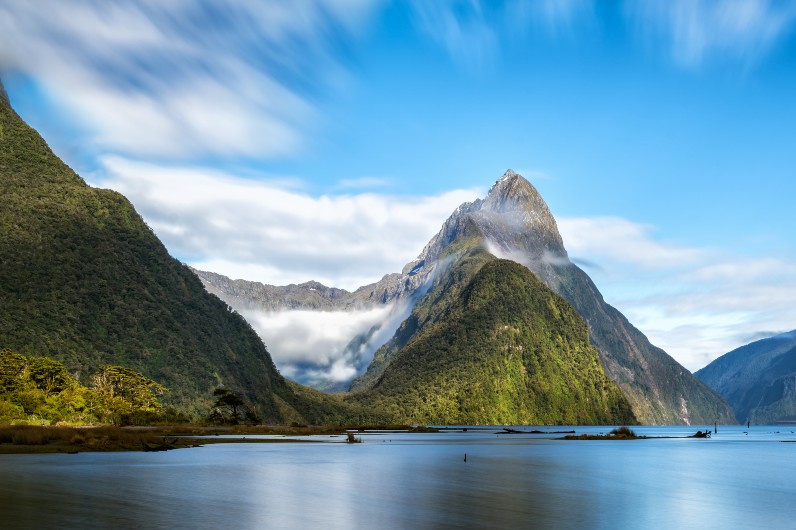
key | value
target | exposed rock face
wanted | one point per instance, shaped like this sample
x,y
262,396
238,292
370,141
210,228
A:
x,y
757,380
243,294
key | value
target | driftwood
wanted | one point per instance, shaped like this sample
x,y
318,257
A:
x,y
700,434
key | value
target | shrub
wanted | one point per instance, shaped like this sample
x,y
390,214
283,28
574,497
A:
x,y
623,432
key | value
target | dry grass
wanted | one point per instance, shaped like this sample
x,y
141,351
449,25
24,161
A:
x,y
71,439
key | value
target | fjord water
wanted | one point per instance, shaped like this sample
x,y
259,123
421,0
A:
x,y
740,478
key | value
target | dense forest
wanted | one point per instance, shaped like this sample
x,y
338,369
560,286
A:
x,y
493,345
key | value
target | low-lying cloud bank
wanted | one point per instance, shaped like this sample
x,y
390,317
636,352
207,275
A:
x,y
326,347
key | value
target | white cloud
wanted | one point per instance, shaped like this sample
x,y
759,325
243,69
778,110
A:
x,y
181,79
698,29
316,346
696,304
264,231
623,241
274,232
316,337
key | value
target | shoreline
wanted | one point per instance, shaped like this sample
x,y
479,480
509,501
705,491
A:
x,y
35,439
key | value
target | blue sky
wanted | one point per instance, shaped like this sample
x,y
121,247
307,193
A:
x,y
288,141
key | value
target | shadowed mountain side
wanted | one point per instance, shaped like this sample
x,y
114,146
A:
x,y
758,380
660,389
496,347
84,280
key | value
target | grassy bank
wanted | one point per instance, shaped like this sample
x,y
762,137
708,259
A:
x,y
66,439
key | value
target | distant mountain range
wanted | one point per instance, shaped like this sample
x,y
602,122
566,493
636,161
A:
x,y
511,222
757,380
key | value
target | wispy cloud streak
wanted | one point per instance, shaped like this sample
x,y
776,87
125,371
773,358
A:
x,y
184,79
697,30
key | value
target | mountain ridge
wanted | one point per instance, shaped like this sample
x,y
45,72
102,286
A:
x,y
758,379
4,94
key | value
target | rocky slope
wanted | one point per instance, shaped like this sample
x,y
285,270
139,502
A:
x,y
757,380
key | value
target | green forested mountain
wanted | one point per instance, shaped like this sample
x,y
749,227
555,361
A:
x,y
496,346
758,380
85,281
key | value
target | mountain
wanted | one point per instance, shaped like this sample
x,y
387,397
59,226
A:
x,y
757,380
497,347
85,281
514,222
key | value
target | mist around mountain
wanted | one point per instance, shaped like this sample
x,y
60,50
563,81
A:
x,y
84,280
758,380
513,222
324,336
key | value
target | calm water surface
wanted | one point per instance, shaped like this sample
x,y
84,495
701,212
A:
x,y
400,480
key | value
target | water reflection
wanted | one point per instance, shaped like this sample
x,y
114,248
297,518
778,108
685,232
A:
x,y
415,481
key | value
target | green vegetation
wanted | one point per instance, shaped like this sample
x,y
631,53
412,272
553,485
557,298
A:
x,y
230,408
623,432
658,388
99,312
31,439
496,346
39,390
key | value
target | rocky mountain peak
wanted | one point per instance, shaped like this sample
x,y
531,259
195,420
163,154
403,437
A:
x,y
515,217
513,220
513,192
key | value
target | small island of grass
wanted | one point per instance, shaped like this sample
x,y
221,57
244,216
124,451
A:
x,y
620,433
626,433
